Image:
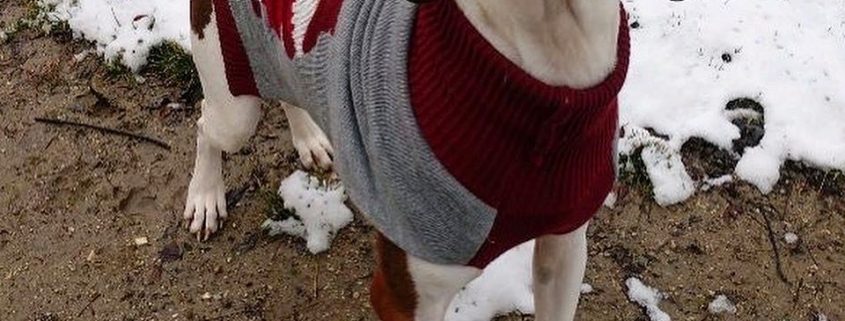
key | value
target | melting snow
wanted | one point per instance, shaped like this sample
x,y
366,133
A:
x,y
721,304
690,58
125,31
647,298
319,211
504,287
790,238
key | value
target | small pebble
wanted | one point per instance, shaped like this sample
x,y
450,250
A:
x,y
790,238
721,304
139,241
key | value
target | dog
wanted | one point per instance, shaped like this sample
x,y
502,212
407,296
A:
x,y
461,128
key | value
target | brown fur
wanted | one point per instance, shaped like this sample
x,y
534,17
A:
x,y
200,16
392,293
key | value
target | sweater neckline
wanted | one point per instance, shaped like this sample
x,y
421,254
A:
x,y
597,95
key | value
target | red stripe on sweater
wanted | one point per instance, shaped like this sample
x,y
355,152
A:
x,y
238,70
324,21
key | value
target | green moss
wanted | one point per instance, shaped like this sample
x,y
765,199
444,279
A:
x,y
37,20
172,63
274,206
116,69
633,172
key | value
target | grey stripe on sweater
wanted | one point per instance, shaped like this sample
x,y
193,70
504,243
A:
x,y
355,85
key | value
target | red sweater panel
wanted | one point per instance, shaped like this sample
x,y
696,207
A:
x,y
541,155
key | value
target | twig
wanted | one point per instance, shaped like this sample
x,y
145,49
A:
x,y
766,223
317,282
114,15
797,296
96,296
113,131
773,241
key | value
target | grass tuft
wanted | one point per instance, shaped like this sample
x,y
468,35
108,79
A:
x,y
170,62
275,206
632,170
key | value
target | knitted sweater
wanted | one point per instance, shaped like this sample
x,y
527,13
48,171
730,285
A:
x,y
453,152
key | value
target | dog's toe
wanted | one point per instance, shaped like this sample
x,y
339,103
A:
x,y
305,155
205,211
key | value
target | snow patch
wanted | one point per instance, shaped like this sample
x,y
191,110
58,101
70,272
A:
x,y
668,175
690,58
610,200
709,183
721,304
125,31
790,238
318,207
504,287
647,298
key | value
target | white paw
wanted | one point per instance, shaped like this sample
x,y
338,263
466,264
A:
x,y
205,208
314,149
309,140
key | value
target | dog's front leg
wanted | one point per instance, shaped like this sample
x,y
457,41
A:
x,y
206,200
559,264
308,139
226,124
220,129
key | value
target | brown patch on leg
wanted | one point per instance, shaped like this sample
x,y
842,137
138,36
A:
x,y
392,293
200,16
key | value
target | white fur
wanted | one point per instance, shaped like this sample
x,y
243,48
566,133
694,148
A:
x,y
559,42
308,139
559,264
436,285
226,124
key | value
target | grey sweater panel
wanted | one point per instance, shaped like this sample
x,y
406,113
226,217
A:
x,y
355,85
389,168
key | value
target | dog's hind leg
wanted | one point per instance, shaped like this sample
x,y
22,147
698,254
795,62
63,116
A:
x,y
226,124
308,139
559,264
406,288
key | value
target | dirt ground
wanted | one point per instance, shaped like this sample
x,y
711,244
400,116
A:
x,y
73,201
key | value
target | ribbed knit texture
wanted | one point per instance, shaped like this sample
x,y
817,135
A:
x,y
382,158
541,155
238,70
454,153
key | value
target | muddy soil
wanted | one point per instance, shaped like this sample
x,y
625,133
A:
x,y
74,201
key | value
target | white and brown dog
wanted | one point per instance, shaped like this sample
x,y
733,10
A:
x,y
462,127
